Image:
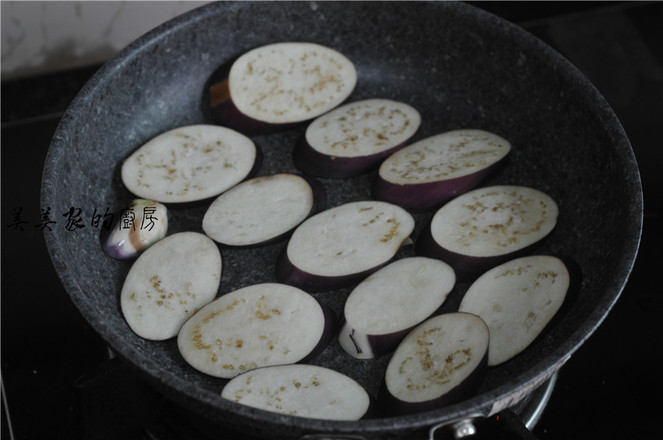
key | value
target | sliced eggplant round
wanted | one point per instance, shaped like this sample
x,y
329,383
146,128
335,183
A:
x,y
488,226
169,282
137,228
351,139
517,300
189,163
386,305
433,170
300,390
255,326
259,210
341,245
281,84
438,363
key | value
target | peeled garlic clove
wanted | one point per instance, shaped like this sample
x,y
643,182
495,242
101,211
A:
x,y
138,227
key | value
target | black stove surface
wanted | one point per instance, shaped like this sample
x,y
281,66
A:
x,y
58,382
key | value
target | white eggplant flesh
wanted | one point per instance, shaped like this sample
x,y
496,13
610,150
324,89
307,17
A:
x,y
487,227
385,306
517,300
438,363
137,228
281,84
341,245
259,210
252,327
189,163
433,170
169,282
300,390
353,138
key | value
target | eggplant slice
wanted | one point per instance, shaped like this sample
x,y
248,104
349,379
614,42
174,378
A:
x,y
189,163
438,363
281,84
169,282
341,245
488,226
433,170
259,210
386,305
256,326
300,390
517,300
353,138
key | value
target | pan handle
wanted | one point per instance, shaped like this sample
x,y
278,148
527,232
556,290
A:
x,y
502,426
462,428
506,425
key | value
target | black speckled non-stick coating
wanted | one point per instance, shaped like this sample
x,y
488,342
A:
x,y
460,67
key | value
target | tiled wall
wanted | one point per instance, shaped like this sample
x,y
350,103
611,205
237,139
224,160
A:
x,y
39,37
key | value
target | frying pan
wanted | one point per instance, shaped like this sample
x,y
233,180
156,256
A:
x,y
461,68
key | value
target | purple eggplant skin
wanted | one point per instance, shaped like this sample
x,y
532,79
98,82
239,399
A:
x,y
219,109
113,251
287,273
488,226
225,113
392,406
384,344
133,244
434,190
320,202
467,267
330,329
423,196
312,162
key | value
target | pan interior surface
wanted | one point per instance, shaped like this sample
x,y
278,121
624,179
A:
x,y
459,67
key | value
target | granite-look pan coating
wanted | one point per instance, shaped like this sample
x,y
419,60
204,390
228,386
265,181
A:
x,y
460,67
